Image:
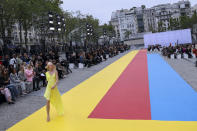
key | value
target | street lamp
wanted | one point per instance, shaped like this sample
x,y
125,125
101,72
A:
x,y
59,23
1,16
52,28
63,31
104,35
55,24
51,21
1,12
89,30
51,24
42,31
2,34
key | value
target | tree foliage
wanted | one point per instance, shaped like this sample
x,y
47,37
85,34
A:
x,y
184,22
25,12
160,26
173,24
30,13
127,34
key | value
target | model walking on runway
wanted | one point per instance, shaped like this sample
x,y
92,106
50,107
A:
x,y
52,93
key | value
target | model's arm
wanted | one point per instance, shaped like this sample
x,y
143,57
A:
x,y
57,80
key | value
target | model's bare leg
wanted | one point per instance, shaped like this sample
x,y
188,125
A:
x,y
9,99
48,110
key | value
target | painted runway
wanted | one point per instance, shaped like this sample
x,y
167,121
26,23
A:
x,y
128,98
138,92
172,99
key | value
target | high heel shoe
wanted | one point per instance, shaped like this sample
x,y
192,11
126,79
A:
x,y
11,102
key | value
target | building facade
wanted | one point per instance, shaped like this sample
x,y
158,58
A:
x,y
154,19
194,35
194,8
129,22
123,21
32,36
165,12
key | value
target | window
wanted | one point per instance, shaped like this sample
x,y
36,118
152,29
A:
x,y
187,5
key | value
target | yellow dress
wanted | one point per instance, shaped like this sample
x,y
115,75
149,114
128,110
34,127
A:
x,y
53,95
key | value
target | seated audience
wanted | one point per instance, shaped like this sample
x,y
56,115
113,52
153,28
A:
x,y
14,80
21,72
22,78
186,49
6,92
5,82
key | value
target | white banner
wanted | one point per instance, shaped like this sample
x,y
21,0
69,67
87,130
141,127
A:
x,y
169,37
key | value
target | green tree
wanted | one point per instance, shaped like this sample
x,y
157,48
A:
x,y
109,28
31,13
173,24
160,26
151,29
127,34
194,18
25,12
76,26
7,17
185,22
143,7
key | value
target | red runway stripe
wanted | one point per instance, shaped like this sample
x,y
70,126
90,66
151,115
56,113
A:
x,y
129,97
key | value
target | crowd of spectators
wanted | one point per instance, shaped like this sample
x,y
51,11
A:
x,y
93,55
22,72
176,50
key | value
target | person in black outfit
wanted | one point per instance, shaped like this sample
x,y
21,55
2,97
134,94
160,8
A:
x,y
25,58
5,82
36,79
6,61
42,71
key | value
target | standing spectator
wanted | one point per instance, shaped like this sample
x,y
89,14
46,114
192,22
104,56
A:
x,y
42,74
29,73
195,51
6,61
34,59
36,79
18,62
13,61
25,58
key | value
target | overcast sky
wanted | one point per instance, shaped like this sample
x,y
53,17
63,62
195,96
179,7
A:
x,y
102,9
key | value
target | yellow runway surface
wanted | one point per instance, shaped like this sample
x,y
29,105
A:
x,y
81,101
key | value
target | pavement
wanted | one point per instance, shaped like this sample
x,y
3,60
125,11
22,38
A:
x,y
11,114
186,68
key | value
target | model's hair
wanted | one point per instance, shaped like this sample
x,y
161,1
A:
x,y
50,64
